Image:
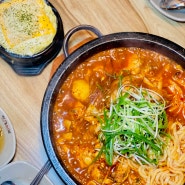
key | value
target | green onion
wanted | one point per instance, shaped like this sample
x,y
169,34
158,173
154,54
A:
x,y
134,125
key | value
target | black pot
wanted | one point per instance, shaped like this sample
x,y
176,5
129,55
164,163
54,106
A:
x,y
34,65
123,39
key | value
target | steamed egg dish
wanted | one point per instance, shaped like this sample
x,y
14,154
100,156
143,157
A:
x,y
26,26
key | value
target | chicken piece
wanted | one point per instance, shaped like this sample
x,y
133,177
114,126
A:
x,y
78,111
134,64
92,111
121,172
177,104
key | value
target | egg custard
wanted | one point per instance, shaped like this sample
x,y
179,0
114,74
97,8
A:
x,y
26,26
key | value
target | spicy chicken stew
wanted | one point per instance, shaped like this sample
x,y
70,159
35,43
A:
x,y
89,90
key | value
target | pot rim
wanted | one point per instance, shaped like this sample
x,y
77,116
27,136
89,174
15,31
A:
x,y
151,42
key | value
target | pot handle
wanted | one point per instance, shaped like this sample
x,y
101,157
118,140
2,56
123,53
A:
x,y
75,29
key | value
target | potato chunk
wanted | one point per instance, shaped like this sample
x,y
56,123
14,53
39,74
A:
x,y
80,89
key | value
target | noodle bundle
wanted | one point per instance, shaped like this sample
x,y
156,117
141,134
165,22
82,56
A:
x,y
170,169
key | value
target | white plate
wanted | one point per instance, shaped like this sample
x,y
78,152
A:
x,y
177,15
8,148
21,173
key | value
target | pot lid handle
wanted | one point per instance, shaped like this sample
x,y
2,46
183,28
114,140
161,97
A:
x,y
75,29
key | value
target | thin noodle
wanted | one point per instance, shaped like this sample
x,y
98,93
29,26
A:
x,y
173,173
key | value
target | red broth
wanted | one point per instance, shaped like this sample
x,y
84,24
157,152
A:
x,y
87,90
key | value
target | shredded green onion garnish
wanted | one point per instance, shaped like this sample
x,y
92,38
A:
x,y
133,125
